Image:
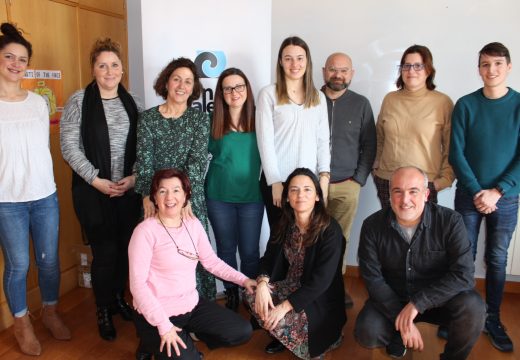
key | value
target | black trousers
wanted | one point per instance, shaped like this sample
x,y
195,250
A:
x,y
464,315
274,213
109,244
211,323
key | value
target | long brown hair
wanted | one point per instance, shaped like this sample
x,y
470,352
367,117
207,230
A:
x,y
319,221
312,97
221,122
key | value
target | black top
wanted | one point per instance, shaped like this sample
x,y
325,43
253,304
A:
x,y
434,267
321,294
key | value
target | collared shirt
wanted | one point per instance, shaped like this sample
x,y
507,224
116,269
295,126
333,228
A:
x,y
435,266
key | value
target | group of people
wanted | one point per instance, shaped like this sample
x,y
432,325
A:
x,y
302,153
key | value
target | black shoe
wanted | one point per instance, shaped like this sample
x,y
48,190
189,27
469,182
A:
x,y
121,307
141,355
106,328
349,303
442,332
254,323
232,298
274,347
497,333
395,348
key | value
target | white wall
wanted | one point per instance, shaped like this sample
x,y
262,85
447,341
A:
x,y
375,34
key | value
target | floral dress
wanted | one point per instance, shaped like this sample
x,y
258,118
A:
x,y
292,330
180,143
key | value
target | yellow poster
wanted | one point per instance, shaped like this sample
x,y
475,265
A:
x,y
48,84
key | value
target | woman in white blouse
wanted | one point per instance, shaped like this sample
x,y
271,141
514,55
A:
x,y
291,125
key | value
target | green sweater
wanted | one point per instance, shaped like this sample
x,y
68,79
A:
x,y
234,170
485,135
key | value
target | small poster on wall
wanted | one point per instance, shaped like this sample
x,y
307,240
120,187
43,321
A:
x,y
48,84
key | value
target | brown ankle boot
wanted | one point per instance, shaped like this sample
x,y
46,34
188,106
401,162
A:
x,y
24,334
52,321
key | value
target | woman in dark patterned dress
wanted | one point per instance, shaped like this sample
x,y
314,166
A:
x,y
175,135
300,297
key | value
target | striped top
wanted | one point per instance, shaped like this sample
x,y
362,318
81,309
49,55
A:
x,y
72,144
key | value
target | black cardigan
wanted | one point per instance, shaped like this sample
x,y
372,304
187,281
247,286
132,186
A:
x,y
322,294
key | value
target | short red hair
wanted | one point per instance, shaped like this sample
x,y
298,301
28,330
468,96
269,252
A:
x,y
168,174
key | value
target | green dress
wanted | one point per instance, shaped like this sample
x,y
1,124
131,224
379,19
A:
x,y
180,143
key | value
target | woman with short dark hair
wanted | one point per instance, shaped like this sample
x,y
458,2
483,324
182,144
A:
x,y
164,252
175,135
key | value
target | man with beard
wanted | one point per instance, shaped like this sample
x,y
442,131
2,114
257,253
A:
x,y
352,142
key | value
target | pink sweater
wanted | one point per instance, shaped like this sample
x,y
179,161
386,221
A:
x,y
162,281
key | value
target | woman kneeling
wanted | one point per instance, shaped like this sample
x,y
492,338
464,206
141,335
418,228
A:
x,y
163,255
300,296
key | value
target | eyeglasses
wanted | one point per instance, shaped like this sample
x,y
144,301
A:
x,y
408,67
342,71
238,88
185,253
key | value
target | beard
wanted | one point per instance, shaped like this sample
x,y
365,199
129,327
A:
x,y
337,86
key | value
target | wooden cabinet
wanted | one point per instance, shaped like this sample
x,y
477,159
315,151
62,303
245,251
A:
x,y
62,33
114,6
99,25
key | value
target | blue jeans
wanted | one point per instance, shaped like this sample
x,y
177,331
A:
x,y
40,218
500,226
237,225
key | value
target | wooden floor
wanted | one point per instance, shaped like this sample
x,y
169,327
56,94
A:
x,y
78,311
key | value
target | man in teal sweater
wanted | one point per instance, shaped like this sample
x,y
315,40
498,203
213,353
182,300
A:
x,y
485,155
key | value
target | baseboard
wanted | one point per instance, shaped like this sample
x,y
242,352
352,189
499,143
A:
x,y
512,287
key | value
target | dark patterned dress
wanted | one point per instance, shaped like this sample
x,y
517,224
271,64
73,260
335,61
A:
x,y
180,143
292,330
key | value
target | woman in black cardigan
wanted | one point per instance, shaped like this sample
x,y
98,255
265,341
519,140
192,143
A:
x,y
300,296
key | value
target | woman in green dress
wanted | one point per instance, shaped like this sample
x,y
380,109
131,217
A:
x,y
175,135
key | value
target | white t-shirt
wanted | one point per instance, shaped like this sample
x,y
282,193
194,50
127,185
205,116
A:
x,y
26,172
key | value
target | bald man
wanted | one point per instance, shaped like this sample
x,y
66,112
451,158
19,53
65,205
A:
x,y
353,143
416,261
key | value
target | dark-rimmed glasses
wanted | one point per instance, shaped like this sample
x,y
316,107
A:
x,y
238,88
408,67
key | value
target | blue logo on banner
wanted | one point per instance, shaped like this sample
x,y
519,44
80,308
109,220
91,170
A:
x,y
210,64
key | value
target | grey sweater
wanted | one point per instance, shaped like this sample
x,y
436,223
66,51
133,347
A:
x,y
352,137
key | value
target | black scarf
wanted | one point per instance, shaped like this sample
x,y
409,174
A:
x,y
94,130
92,206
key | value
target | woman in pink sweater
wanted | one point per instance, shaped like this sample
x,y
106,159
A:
x,y
163,254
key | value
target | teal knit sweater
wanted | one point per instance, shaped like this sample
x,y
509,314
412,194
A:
x,y
485,139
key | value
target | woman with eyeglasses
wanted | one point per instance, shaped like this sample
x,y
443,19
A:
x,y
175,135
233,197
292,126
414,125
300,297
163,254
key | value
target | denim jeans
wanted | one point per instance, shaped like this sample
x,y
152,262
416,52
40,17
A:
x,y
500,226
40,218
237,225
463,315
